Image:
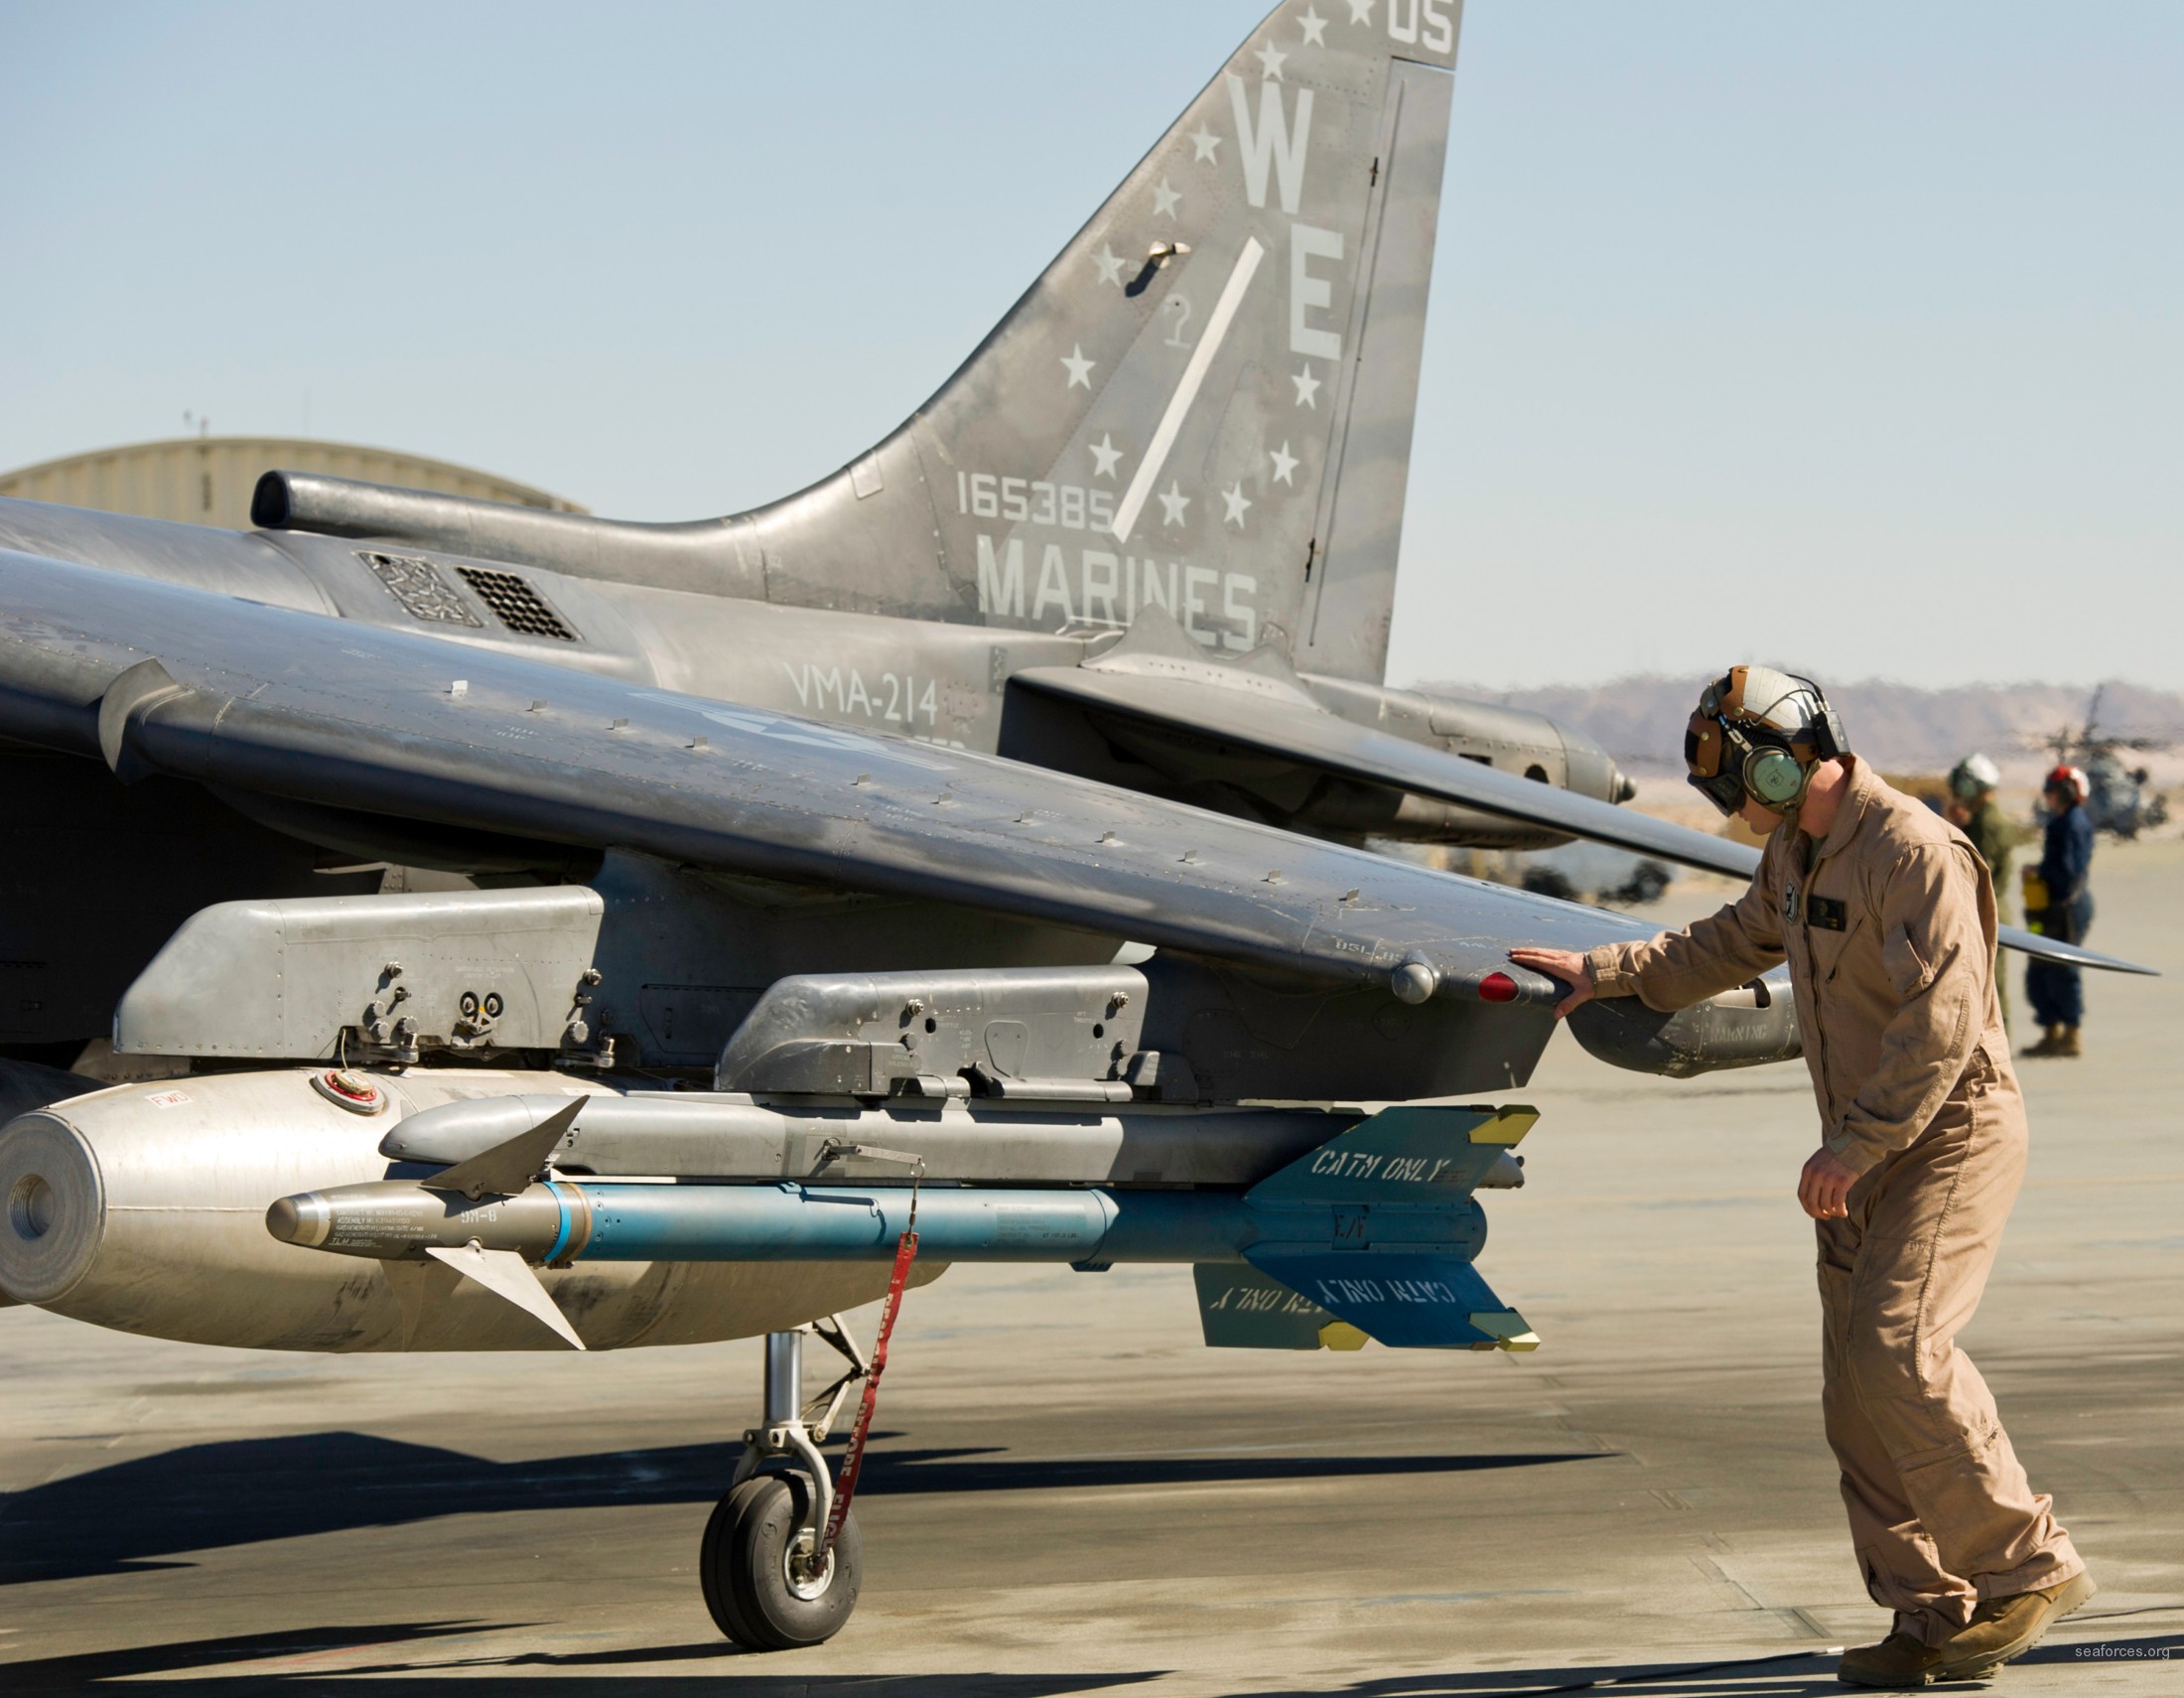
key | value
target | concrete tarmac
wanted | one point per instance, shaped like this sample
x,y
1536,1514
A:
x,y
1070,1493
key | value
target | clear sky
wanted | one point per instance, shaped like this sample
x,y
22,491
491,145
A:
x,y
1853,332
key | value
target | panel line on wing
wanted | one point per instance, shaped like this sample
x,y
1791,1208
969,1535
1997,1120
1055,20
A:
x,y
1186,391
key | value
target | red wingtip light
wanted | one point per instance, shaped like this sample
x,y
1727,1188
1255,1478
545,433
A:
x,y
1498,987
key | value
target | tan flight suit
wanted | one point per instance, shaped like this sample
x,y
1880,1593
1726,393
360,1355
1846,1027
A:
x,y
1890,940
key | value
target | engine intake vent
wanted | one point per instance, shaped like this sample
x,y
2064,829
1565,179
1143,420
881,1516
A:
x,y
515,603
418,586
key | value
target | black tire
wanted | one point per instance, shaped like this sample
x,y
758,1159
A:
x,y
713,1564
745,1568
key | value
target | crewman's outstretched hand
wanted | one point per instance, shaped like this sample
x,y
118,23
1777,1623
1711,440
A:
x,y
1563,964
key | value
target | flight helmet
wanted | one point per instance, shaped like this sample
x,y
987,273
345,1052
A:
x,y
1973,777
1759,734
2070,781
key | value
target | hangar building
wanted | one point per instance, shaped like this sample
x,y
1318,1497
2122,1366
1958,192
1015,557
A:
x,y
207,480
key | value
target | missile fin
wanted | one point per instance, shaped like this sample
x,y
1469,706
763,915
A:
x,y
506,1274
508,1168
1239,1308
1402,1299
1410,1153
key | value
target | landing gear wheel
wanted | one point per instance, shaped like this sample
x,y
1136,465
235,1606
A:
x,y
713,1567
755,1584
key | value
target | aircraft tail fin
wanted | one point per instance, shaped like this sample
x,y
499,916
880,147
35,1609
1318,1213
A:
x,y
1205,402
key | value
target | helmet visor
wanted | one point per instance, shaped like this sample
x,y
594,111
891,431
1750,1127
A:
x,y
1711,769
1724,789
1703,744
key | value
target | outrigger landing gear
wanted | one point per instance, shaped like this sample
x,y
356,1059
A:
x,y
763,1582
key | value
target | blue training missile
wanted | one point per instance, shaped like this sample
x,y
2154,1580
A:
x,y
1376,1228
569,1220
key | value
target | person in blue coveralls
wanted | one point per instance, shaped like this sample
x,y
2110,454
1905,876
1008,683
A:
x,y
2057,993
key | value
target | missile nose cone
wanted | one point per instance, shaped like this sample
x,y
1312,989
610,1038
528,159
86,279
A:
x,y
303,1219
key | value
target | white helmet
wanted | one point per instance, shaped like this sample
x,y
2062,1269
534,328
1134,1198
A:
x,y
1973,777
1759,734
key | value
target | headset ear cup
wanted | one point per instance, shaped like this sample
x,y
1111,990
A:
x,y
1773,776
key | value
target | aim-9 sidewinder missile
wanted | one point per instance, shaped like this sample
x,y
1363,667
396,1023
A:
x,y
1378,1221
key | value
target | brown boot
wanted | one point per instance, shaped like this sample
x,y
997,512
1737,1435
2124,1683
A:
x,y
2049,1044
2067,1043
1899,1660
2005,1628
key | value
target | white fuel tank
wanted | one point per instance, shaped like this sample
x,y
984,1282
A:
x,y
143,1208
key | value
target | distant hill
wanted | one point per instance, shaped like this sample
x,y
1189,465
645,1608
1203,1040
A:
x,y
1902,729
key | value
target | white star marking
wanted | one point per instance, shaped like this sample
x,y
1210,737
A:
x,y
1205,142
1361,11
1104,454
1314,27
1308,389
1237,503
1284,464
1110,265
1164,199
1080,368
1272,57
1174,501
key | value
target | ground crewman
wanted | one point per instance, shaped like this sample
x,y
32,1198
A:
x,y
1973,810
1886,918
2057,992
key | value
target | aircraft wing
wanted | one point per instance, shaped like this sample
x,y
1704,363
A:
x,y
245,697
1261,715
2065,954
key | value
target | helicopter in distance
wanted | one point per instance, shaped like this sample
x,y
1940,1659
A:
x,y
2120,798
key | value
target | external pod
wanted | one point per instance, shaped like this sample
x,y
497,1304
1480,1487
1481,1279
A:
x,y
143,1209
56,1209
1744,1028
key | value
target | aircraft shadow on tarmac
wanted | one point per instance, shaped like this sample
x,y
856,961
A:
x,y
414,1659
130,1515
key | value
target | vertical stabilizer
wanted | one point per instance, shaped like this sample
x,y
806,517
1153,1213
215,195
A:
x,y
1205,402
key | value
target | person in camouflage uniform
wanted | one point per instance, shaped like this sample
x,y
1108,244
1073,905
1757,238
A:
x,y
1973,810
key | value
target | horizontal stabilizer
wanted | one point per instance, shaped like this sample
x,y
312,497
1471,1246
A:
x,y
1413,1153
506,1274
1410,1301
1256,715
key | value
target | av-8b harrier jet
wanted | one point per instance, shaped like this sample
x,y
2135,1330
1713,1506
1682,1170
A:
x,y
563,932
